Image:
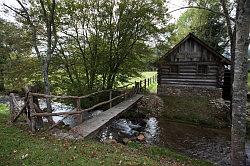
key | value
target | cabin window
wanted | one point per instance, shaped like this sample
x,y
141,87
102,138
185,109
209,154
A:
x,y
174,69
202,69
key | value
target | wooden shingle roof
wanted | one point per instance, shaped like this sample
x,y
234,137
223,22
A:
x,y
191,35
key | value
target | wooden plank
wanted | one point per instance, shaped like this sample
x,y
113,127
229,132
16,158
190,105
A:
x,y
180,85
189,80
189,83
186,74
190,77
92,125
188,63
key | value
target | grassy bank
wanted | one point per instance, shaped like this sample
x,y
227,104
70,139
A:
x,y
196,110
19,147
144,75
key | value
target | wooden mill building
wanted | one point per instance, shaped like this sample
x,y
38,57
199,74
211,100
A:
x,y
192,68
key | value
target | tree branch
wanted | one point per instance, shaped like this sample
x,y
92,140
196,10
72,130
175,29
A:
x,y
202,8
14,10
27,17
44,12
53,25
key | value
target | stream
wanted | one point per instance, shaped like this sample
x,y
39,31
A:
x,y
194,141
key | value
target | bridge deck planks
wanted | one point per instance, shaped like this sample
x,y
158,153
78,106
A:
x,y
93,124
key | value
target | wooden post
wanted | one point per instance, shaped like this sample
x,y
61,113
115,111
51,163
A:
x,y
12,107
110,97
31,111
145,83
78,108
148,82
126,92
137,87
78,104
140,86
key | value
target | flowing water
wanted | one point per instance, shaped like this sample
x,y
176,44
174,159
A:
x,y
194,141
61,107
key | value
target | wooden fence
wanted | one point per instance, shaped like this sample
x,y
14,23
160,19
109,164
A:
x,y
144,84
33,114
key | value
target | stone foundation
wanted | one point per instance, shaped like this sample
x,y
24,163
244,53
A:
x,y
189,91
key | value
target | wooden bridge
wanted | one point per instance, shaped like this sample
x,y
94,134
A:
x,y
92,125
123,99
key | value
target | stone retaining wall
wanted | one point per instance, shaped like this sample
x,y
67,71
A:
x,y
189,91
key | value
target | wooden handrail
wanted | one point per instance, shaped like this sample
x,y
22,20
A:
x,y
76,112
32,115
69,97
77,97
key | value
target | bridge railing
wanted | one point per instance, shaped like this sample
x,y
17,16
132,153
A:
x,y
33,113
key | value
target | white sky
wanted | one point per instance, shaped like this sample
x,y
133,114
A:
x,y
173,4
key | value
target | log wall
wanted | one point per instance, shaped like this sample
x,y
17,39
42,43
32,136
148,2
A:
x,y
197,67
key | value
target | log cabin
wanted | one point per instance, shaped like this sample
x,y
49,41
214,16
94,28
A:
x,y
191,68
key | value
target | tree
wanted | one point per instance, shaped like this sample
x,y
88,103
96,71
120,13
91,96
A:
x,y
108,39
40,17
238,154
14,46
208,26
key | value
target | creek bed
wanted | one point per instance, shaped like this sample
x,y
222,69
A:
x,y
194,141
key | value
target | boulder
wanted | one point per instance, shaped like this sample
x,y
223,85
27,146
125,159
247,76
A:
x,y
141,137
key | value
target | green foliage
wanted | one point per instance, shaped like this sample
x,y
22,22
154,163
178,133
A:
x,y
14,50
3,108
101,44
135,145
108,47
208,26
153,88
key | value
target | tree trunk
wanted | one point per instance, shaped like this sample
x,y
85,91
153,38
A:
x,y
47,88
2,88
238,154
46,83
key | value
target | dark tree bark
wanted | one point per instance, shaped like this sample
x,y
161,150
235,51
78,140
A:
x,y
238,154
2,88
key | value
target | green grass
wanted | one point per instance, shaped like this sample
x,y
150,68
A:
x,y
153,88
197,110
20,147
144,75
